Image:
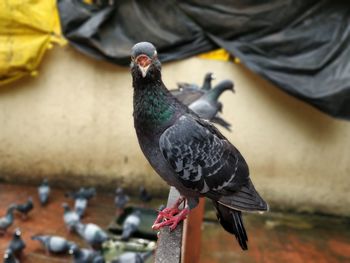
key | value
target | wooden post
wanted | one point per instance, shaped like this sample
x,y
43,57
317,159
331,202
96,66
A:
x,y
191,239
182,244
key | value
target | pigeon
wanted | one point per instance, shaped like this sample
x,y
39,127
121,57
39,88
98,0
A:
x,y
80,205
7,220
25,208
121,199
188,93
207,106
133,257
54,244
17,244
70,217
204,101
92,234
9,257
44,192
84,255
144,196
188,152
86,193
131,225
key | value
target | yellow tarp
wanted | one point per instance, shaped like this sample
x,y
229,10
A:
x,y
219,54
27,29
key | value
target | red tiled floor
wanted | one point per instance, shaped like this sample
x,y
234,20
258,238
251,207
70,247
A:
x,y
272,237
281,238
48,220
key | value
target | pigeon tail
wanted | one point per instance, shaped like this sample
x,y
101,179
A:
x,y
231,221
245,199
127,232
40,238
146,255
222,122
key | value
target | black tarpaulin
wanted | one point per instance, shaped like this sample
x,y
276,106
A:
x,y
303,46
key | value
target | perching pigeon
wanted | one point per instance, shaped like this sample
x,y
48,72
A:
x,y
84,255
7,220
187,152
131,225
92,234
44,192
25,208
17,244
54,244
121,199
144,195
80,205
188,93
9,257
70,217
133,257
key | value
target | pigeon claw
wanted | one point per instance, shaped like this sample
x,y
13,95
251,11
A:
x,y
171,219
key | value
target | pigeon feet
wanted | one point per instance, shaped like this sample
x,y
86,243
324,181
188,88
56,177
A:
x,y
171,216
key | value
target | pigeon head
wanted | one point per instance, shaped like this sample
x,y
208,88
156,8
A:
x,y
17,233
65,207
144,61
209,76
73,250
119,191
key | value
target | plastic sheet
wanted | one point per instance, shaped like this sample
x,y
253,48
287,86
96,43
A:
x,y
303,46
27,29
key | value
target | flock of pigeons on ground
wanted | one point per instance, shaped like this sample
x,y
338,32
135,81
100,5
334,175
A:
x,y
91,233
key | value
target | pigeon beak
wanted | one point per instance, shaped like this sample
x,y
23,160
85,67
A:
x,y
143,62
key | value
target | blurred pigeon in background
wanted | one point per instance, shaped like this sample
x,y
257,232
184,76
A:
x,y
121,199
9,257
7,220
84,255
133,257
131,225
92,234
25,208
208,106
44,192
188,93
144,195
86,193
16,244
54,244
81,198
80,205
70,217
188,152
204,101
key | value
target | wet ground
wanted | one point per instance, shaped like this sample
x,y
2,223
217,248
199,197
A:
x,y
273,237
278,237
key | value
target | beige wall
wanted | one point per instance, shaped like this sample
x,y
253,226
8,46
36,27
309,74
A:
x,y
74,121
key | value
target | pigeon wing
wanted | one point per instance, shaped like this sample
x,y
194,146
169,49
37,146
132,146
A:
x,y
206,162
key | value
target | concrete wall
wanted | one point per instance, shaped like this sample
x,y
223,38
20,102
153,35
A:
x,y
73,123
